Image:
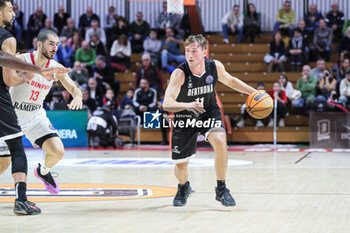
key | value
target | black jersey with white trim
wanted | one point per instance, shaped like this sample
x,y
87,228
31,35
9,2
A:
x,y
199,88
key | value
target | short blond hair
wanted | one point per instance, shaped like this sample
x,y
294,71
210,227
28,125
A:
x,y
197,38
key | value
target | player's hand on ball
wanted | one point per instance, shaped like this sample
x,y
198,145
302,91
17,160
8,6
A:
x,y
196,108
76,104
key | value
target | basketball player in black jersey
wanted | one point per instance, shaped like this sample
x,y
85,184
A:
x,y
9,128
191,96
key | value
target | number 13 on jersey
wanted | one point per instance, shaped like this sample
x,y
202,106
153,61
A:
x,y
34,96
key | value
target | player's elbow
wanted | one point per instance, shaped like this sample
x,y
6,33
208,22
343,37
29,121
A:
x,y
8,82
166,105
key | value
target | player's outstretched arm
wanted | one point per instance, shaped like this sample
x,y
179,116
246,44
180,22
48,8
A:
x,y
69,85
170,104
10,63
232,82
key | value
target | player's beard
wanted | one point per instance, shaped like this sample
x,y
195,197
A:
x,y
8,23
46,54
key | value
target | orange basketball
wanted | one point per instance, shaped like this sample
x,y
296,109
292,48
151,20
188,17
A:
x,y
259,104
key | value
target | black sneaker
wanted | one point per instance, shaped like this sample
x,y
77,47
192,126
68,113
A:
x,y
182,194
223,195
26,208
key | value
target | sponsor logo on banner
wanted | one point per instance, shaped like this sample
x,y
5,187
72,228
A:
x,y
151,120
324,130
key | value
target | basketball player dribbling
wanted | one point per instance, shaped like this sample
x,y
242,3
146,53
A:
x,y
10,131
28,98
191,96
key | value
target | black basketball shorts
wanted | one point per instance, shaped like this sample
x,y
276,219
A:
x,y
9,127
184,138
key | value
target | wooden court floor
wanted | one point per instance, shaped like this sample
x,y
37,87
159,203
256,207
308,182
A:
x,y
276,193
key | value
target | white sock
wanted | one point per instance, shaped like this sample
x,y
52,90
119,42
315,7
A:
x,y
44,170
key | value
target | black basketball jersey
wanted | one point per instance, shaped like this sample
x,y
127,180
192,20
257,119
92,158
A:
x,y
200,89
5,97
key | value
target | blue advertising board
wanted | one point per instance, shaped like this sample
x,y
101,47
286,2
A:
x,y
71,127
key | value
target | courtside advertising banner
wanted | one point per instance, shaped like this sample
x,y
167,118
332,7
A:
x,y
329,130
71,127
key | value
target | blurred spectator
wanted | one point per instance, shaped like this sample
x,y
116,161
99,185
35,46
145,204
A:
x,y
85,20
307,86
67,98
95,29
121,53
127,100
118,29
323,37
335,20
104,74
18,25
333,104
85,55
48,26
166,19
138,29
304,33
111,18
79,74
325,85
252,23
60,19
68,30
152,46
344,89
150,72
297,50
110,97
34,45
232,22
344,44
286,86
245,114
312,18
340,72
145,98
35,23
88,103
64,54
276,57
96,91
279,95
102,127
317,72
285,19
56,100
96,44
75,41
171,49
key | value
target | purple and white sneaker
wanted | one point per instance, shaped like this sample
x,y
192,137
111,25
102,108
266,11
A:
x,y
50,183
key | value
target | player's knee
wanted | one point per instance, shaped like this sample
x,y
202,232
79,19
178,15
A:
x,y
182,166
218,140
58,151
18,156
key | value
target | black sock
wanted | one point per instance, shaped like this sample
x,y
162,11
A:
x,y
221,183
21,189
